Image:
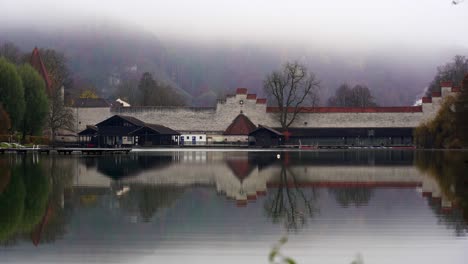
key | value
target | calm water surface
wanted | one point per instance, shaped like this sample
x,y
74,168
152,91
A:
x,y
234,207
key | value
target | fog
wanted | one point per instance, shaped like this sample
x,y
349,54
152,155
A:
x,y
207,48
358,24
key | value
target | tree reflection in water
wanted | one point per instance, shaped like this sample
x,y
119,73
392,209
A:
x,y
290,202
348,196
148,200
31,199
449,169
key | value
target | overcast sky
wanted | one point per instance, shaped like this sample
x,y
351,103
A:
x,y
359,23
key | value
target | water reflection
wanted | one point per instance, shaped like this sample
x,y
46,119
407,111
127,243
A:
x,y
230,198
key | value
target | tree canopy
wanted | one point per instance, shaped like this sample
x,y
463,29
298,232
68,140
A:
x,y
357,96
37,103
11,92
5,123
453,71
153,93
291,88
449,129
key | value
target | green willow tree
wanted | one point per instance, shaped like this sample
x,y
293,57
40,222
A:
x,y
37,103
11,93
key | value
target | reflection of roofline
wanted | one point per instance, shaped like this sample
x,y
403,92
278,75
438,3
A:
x,y
344,184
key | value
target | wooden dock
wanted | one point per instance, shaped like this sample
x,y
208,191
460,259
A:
x,y
65,151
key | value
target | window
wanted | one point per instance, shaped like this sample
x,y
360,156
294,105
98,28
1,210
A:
x,y
188,137
201,137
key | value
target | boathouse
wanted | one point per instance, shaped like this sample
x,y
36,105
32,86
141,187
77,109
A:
x,y
265,137
126,131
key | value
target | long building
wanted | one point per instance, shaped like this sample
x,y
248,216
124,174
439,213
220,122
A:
x,y
314,125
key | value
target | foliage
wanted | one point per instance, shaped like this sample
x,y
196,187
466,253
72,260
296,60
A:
x,y
453,71
276,257
11,52
56,65
461,115
449,129
154,93
291,88
358,96
127,91
5,123
11,93
37,103
60,117
89,93
441,131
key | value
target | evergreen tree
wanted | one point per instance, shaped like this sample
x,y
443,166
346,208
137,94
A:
x,y
11,93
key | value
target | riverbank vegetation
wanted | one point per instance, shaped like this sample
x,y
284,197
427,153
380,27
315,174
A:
x,y
449,129
23,99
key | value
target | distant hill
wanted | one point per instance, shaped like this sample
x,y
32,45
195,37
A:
x,y
104,54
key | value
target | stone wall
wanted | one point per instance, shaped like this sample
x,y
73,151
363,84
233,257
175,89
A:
x,y
217,119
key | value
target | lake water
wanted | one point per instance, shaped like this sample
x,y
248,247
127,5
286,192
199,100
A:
x,y
376,206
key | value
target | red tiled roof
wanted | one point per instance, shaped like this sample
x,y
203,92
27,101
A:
x,y
241,125
456,89
436,94
446,84
240,167
241,91
261,101
427,100
391,109
251,96
37,63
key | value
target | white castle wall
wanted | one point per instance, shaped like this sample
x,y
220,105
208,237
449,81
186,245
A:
x,y
217,119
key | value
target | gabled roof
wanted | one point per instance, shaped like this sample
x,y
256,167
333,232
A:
x,y
158,129
90,130
90,102
260,127
130,119
241,125
37,63
240,167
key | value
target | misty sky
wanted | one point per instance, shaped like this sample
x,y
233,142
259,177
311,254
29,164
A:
x,y
358,23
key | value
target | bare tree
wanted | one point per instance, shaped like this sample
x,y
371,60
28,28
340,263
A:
x,y
60,116
291,88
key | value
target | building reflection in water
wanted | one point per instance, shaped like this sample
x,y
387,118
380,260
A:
x,y
38,194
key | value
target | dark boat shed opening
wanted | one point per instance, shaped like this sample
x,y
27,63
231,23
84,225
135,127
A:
x,y
265,137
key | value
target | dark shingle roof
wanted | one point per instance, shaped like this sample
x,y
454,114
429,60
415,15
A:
x,y
260,127
159,129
